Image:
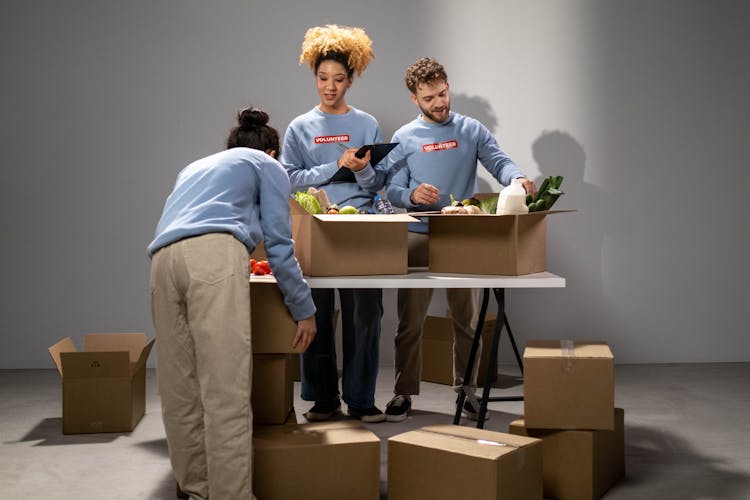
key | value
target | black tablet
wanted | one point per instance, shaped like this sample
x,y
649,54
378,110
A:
x,y
377,153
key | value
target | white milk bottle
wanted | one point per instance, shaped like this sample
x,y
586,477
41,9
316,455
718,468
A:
x,y
512,199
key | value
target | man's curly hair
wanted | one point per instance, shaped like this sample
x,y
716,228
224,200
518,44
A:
x,y
425,70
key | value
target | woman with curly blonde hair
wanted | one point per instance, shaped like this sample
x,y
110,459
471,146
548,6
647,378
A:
x,y
319,145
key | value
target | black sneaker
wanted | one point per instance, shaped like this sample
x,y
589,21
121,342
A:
x,y
371,414
398,408
323,410
470,413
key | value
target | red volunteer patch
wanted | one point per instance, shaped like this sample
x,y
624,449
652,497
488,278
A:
x,y
325,139
440,146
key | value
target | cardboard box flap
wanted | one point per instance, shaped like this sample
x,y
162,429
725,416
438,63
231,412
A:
x,y
296,209
133,343
530,214
65,345
365,218
567,348
144,355
95,364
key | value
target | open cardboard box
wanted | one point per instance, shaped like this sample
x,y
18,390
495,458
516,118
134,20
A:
x,y
509,245
104,386
349,245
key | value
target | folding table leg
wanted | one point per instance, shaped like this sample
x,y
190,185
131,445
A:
x,y
465,390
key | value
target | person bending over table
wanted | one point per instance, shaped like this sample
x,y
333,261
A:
x,y
221,207
436,157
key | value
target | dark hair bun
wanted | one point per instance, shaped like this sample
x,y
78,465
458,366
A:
x,y
252,117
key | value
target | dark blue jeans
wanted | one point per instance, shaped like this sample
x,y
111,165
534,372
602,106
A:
x,y
361,311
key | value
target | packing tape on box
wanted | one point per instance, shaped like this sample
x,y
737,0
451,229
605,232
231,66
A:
x,y
489,442
568,348
520,455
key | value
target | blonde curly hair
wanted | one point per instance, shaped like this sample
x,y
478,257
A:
x,y
324,42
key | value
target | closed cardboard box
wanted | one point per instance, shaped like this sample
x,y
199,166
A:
x,y
273,388
450,461
320,461
273,328
510,245
103,386
349,245
568,385
579,465
437,350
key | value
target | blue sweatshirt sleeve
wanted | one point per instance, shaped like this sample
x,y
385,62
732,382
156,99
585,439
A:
x,y
494,159
372,178
275,222
398,189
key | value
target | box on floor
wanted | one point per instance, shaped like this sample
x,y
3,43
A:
x,y
317,461
103,386
577,464
451,461
510,245
326,245
437,349
568,385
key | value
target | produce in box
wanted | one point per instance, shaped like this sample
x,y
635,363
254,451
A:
x,y
547,195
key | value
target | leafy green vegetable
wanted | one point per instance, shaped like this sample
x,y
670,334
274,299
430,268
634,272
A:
x,y
308,202
488,205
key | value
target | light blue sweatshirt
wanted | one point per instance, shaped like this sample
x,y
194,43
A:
x,y
243,192
312,147
444,155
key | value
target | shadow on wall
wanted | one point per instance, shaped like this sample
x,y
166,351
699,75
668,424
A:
x,y
574,247
476,107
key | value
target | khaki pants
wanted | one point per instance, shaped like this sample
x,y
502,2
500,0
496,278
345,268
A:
x,y
412,311
200,295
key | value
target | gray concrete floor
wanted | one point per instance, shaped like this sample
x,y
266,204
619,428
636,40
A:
x,y
687,435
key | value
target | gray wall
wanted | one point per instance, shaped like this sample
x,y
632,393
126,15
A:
x,y
641,105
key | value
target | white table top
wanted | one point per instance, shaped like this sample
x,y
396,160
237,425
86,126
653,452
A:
x,y
421,278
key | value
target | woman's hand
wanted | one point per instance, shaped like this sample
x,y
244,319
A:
x,y
305,333
350,161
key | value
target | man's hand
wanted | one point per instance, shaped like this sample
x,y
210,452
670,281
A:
x,y
425,194
348,160
529,186
305,333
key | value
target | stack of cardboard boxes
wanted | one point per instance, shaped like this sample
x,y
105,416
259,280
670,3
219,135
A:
x,y
569,404
339,459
